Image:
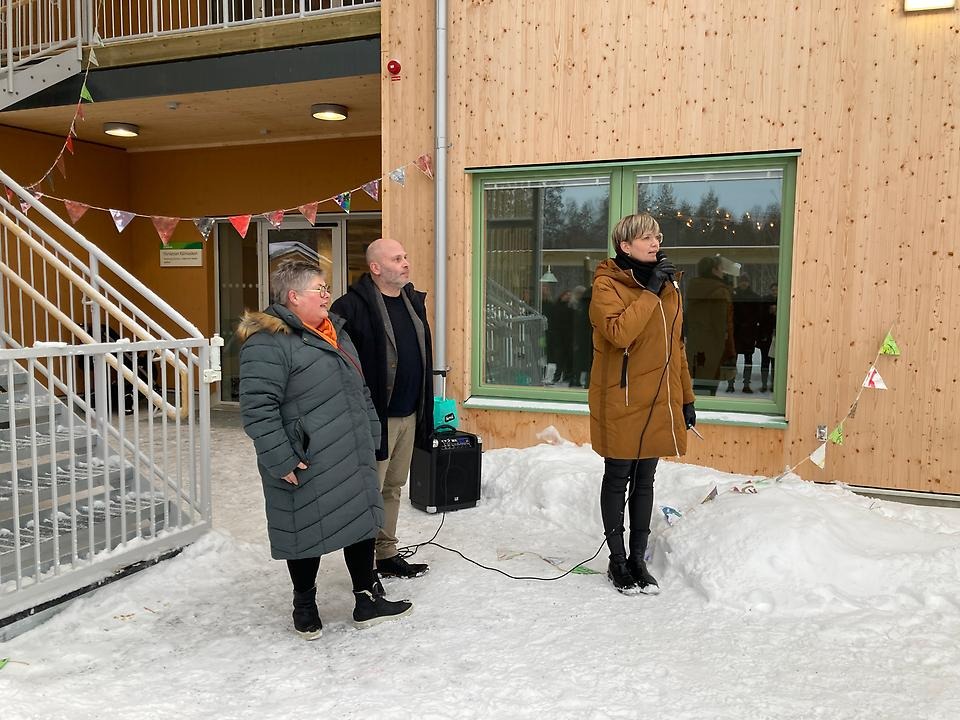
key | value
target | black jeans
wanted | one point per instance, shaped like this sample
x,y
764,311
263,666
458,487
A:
x,y
359,559
618,477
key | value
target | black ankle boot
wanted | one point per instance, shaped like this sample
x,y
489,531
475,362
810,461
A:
x,y
306,618
373,607
619,574
646,582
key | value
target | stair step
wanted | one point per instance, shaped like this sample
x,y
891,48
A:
x,y
31,78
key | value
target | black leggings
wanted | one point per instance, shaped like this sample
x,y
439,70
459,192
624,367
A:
x,y
617,476
359,559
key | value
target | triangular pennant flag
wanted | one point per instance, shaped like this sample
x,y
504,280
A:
x,y
97,39
889,346
75,209
62,166
9,193
24,206
343,200
85,93
204,225
165,227
425,163
873,380
584,570
853,409
69,143
836,436
309,211
819,456
80,112
710,496
51,185
121,218
275,218
669,512
372,189
3,662
241,223
399,175
92,58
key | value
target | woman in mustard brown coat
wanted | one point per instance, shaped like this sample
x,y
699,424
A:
x,y
641,398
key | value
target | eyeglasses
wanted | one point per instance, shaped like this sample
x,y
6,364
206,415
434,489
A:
x,y
322,290
650,237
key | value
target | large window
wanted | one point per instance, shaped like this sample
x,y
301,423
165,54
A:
x,y
726,223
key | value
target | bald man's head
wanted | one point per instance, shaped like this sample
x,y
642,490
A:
x,y
388,265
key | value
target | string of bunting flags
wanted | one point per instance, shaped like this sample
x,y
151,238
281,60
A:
x,y
872,381
165,225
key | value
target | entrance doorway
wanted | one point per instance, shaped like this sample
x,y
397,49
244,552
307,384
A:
x,y
334,243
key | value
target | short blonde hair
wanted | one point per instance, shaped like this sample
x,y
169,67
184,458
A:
x,y
630,227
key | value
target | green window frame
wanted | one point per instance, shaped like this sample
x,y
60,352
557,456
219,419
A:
x,y
623,183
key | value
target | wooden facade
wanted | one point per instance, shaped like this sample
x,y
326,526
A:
x,y
868,95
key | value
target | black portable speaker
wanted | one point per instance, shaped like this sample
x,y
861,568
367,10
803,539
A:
x,y
446,476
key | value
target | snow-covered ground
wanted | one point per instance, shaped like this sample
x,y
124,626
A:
x,y
798,601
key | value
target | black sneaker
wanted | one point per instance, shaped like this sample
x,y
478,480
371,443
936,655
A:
x,y
373,607
747,390
397,566
306,618
645,581
622,580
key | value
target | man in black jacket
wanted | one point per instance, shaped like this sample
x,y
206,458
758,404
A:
x,y
386,318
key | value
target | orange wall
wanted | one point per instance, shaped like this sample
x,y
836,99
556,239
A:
x,y
231,181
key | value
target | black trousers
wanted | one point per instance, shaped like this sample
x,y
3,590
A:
x,y
359,559
619,477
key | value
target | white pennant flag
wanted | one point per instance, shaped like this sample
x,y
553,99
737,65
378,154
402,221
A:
x,y
873,380
819,456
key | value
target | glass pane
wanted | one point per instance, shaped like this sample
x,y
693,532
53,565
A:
x,y
239,291
722,229
543,240
360,233
313,244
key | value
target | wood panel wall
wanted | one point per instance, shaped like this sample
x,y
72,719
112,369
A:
x,y
867,93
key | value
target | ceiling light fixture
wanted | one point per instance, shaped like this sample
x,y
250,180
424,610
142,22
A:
x,y
329,111
920,5
120,129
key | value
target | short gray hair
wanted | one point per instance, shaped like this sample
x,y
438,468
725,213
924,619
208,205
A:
x,y
291,275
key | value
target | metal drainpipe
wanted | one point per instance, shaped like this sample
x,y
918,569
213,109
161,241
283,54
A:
x,y
440,200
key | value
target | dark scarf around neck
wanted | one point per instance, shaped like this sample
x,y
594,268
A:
x,y
641,270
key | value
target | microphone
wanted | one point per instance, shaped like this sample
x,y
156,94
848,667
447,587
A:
x,y
660,256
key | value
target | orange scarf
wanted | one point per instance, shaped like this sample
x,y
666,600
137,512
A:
x,y
327,332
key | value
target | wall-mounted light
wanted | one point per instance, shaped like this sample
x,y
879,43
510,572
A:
x,y
329,111
916,5
119,129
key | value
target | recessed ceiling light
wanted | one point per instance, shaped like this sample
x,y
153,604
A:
x,y
119,129
329,111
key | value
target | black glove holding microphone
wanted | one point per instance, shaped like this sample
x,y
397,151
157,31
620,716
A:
x,y
662,272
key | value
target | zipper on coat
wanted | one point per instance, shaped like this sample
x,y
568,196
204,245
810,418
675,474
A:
x,y
666,348
624,379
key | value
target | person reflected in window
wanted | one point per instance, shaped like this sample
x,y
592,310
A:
x,y
640,397
580,336
746,318
766,326
709,326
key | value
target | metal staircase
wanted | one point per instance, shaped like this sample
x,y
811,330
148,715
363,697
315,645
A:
x,y
104,415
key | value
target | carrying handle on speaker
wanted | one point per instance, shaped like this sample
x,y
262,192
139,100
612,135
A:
x,y
444,429
442,374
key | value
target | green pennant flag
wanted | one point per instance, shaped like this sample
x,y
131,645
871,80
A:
x,y
3,662
581,570
85,94
836,437
889,346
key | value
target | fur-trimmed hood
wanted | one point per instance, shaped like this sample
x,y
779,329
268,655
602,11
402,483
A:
x,y
253,321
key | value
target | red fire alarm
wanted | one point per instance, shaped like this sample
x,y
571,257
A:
x,y
393,67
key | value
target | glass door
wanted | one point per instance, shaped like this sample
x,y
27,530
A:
x,y
319,244
238,282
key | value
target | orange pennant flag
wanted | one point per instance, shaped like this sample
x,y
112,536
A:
x,y
62,166
69,143
425,164
165,227
75,209
309,211
241,223
275,218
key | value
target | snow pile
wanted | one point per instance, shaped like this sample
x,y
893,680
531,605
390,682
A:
x,y
792,547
